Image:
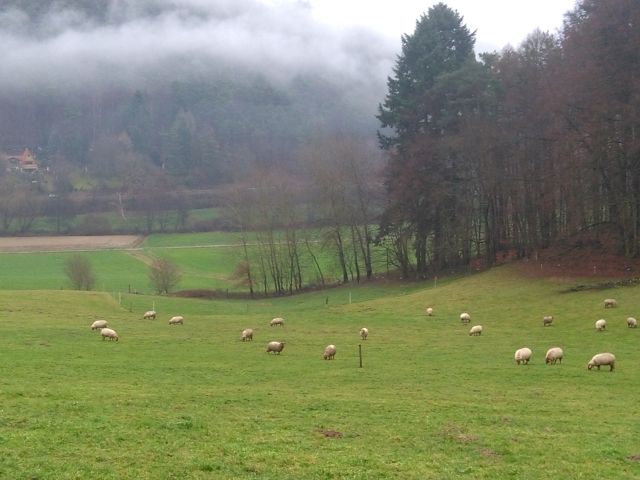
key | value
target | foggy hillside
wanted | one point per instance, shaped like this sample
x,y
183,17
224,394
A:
x,y
199,87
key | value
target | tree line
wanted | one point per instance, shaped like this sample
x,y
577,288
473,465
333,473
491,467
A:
x,y
287,221
515,151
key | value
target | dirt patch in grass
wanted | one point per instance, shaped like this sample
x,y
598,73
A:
x,y
329,433
457,434
634,458
68,243
487,452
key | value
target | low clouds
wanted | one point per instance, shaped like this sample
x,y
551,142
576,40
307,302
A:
x,y
132,42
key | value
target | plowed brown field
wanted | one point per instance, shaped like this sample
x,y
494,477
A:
x,y
68,243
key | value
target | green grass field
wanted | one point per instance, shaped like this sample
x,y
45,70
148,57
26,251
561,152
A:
x,y
112,222
430,402
207,261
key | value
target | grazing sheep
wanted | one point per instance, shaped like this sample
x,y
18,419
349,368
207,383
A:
x,y
602,359
523,355
601,324
179,320
429,312
465,317
364,333
109,333
632,322
610,303
275,347
554,354
277,321
547,320
476,330
329,352
98,324
247,335
150,315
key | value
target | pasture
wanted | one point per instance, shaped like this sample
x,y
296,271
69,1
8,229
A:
x,y
207,261
431,401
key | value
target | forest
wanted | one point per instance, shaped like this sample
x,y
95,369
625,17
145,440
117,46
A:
x,y
477,155
519,150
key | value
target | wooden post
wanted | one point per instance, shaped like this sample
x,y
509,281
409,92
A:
x,y
360,353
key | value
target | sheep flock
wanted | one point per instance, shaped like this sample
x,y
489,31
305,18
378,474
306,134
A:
x,y
522,356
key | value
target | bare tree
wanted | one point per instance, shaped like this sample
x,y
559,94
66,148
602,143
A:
x,y
80,273
164,275
343,171
240,208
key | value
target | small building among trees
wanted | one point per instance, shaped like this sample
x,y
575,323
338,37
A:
x,y
24,162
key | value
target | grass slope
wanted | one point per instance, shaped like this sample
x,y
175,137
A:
x,y
430,402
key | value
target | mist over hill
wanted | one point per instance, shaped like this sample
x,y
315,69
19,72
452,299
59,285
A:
x,y
201,88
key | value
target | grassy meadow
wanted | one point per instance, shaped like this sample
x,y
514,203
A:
x,y
207,261
430,402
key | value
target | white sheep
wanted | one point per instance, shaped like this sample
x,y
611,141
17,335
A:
x,y
610,303
602,359
109,333
523,355
632,322
476,330
275,347
178,320
364,333
150,315
547,320
277,322
465,317
329,352
601,324
98,324
554,354
429,311
247,335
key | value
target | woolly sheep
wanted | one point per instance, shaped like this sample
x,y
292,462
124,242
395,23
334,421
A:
x,y
275,347
610,303
465,317
277,321
523,355
547,320
247,335
553,355
329,352
429,312
179,320
632,322
602,359
364,333
476,330
109,333
98,324
601,324
149,315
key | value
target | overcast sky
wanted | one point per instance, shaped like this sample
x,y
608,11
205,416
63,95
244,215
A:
x,y
497,22
353,40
